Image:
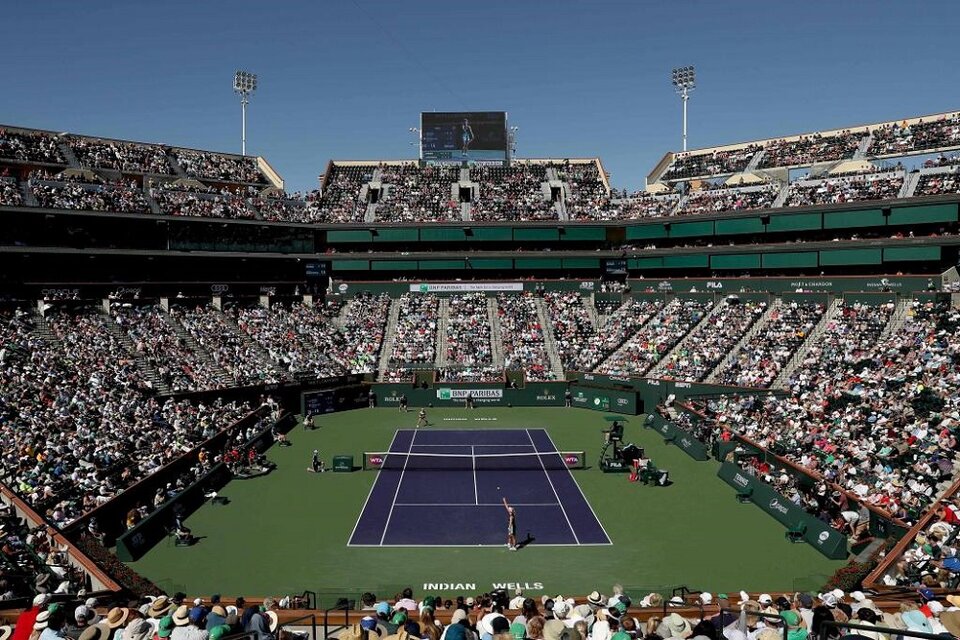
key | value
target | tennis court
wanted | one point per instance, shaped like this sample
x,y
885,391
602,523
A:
x,y
457,479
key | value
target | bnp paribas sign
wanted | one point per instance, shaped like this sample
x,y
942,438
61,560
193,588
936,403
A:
x,y
464,287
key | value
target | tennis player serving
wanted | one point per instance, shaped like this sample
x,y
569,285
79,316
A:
x,y
511,526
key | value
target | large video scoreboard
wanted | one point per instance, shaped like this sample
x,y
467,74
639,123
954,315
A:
x,y
463,136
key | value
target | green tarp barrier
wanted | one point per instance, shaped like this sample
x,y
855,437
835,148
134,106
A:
x,y
677,436
545,394
817,534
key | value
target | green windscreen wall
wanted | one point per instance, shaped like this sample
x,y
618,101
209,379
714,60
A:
x,y
743,225
735,261
850,256
794,222
847,219
790,260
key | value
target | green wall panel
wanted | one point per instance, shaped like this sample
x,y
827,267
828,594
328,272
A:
x,y
792,259
795,222
537,263
646,263
396,235
584,233
646,232
899,254
847,219
581,263
735,261
434,265
349,235
523,233
691,229
442,234
687,261
491,263
924,214
850,256
350,265
393,265
491,233
743,225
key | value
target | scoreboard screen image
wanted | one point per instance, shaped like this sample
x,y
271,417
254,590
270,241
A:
x,y
463,136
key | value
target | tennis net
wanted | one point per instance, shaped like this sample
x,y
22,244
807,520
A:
x,y
401,460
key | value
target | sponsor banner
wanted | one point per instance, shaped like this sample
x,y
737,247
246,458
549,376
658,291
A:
x,y
464,287
817,534
839,284
679,437
445,393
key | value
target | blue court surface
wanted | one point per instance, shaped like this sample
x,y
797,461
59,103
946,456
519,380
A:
x,y
428,500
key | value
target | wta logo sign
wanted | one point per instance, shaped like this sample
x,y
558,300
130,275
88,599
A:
x,y
375,461
572,460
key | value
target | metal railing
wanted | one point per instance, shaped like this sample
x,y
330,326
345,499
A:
x,y
299,622
827,625
340,606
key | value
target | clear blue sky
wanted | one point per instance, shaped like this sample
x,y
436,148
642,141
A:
x,y
345,79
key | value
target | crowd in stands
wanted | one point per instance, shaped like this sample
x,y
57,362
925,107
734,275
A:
x,y
228,348
907,138
728,199
178,365
76,426
524,342
713,163
620,325
874,413
807,150
74,195
469,353
511,193
340,199
572,326
126,157
413,194
214,166
415,336
30,147
712,341
930,559
281,209
932,184
364,326
200,201
10,193
635,208
300,338
586,190
656,338
875,186
759,361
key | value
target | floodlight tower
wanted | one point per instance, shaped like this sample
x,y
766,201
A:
x,y
684,81
512,140
419,143
244,83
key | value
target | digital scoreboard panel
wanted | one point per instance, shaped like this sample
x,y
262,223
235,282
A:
x,y
463,136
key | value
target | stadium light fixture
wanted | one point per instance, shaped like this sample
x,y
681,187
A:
x,y
419,143
684,81
512,139
244,83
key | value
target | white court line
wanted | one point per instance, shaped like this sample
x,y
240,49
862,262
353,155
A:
x,y
525,446
370,493
474,546
481,504
476,491
544,467
393,503
583,495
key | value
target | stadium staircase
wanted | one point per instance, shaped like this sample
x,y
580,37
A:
x,y
177,169
28,198
223,378
897,320
801,352
389,335
443,318
68,154
154,207
660,369
262,354
42,329
749,335
496,339
591,308
549,340
909,185
149,371
782,196
755,161
466,211
861,151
